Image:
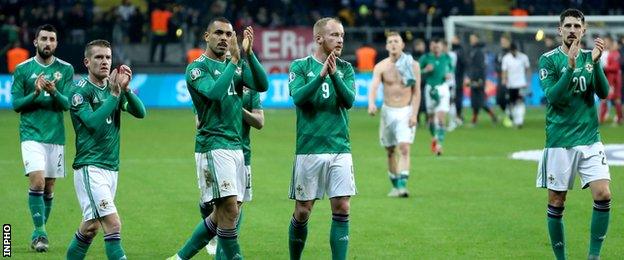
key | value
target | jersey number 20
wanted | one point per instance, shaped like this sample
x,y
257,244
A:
x,y
580,84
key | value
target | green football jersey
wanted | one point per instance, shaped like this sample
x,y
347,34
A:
x,y
571,117
251,101
322,121
442,65
96,116
41,116
220,121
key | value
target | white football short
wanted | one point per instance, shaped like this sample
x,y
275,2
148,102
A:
x,y
43,157
394,126
314,175
558,166
444,102
221,173
95,188
248,191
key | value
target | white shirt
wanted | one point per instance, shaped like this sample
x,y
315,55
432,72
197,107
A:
x,y
516,69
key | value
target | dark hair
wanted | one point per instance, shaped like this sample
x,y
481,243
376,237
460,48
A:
x,y
91,44
436,39
45,27
217,19
513,47
573,13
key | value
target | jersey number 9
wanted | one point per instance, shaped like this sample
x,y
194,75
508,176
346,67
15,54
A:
x,y
325,89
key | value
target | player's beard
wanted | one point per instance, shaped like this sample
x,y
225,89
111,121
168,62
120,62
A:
x,y
45,53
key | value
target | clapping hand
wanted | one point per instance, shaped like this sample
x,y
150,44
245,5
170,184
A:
x,y
599,46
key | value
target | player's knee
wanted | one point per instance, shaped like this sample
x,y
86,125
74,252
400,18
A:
x,y
404,149
341,206
390,151
90,230
603,194
302,211
556,201
228,211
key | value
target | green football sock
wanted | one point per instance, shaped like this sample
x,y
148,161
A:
x,y
339,236
432,129
112,245
297,235
219,252
228,239
599,225
78,247
440,134
47,201
403,176
37,211
394,179
204,231
555,230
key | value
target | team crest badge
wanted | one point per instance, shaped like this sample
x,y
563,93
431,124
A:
x,y
57,75
195,73
291,77
77,99
543,73
239,70
104,204
589,67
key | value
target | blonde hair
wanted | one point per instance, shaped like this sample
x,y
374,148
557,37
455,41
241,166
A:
x,y
319,26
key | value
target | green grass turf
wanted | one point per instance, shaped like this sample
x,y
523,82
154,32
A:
x,y
473,202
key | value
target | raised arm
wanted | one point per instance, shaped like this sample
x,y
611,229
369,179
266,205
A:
x,y
132,104
255,77
300,91
20,101
601,85
93,120
199,79
60,89
556,91
345,86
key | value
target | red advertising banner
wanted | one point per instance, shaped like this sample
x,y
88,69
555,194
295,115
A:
x,y
276,48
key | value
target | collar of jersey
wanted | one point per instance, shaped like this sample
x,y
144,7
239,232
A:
x,y
213,59
42,65
96,85
561,50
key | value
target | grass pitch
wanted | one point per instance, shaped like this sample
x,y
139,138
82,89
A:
x,y
473,202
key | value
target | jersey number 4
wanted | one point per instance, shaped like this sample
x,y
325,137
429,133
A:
x,y
580,84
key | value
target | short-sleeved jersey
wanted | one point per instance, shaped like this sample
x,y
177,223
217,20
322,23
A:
x,y
442,65
574,122
42,122
251,101
220,121
100,147
322,123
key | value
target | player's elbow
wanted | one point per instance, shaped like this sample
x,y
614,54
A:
x,y
17,108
